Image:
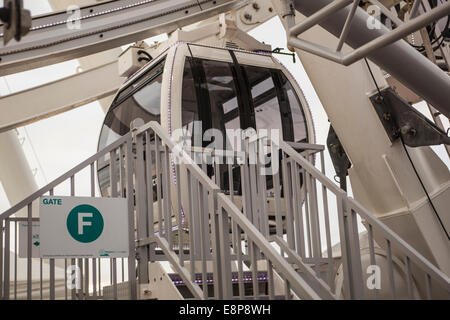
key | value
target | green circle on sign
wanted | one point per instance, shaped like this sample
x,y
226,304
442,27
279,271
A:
x,y
85,223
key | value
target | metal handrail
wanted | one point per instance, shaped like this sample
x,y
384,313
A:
x,y
298,284
348,206
124,148
63,177
215,211
168,156
402,245
180,152
218,200
309,167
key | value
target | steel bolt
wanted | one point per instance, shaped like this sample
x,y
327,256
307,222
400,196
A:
x,y
379,98
407,129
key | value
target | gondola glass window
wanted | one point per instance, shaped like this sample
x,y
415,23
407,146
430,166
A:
x,y
227,96
139,100
209,101
276,104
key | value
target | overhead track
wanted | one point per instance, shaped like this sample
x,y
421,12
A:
x,y
53,38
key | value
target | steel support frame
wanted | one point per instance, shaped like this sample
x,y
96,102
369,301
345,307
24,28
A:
x,y
34,104
358,53
379,45
103,26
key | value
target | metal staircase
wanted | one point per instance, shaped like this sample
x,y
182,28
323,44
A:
x,y
228,231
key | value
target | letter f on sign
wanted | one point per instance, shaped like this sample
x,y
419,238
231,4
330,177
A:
x,y
81,222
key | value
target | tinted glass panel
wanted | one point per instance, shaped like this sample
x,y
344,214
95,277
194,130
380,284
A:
x,y
223,98
210,96
189,100
141,80
140,100
276,103
298,116
213,93
265,99
144,103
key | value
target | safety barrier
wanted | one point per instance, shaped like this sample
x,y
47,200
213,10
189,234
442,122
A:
x,y
257,229
30,277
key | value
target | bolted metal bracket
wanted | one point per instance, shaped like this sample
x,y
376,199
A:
x,y
16,20
400,119
340,160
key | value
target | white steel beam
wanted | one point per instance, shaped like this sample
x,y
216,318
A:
x,y
40,102
15,172
103,26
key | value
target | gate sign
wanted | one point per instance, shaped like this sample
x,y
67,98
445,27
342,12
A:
x,y
82,227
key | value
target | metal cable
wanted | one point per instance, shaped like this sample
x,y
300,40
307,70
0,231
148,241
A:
x,y
410,160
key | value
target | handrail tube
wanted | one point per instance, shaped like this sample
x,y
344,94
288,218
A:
x,y
308,167
181,154
296,281
406,249
63,177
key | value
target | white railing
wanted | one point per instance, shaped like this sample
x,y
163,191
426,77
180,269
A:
x,y
224,241
50,282
422,278
213,225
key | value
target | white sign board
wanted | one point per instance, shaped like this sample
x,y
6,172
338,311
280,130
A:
x,y
82,227
23,240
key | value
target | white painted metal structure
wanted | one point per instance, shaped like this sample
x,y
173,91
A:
x,y
381,181
396,197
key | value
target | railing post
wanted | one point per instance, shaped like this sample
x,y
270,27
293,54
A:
x,y
215,241
1,259
262,189
141,208
167,199
287,190
314,215
72,261
298,215
227,285
131,234
29,248
253,185
149,193
345,244
113,184
351,253
204,230
6,253
358,280
245,184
